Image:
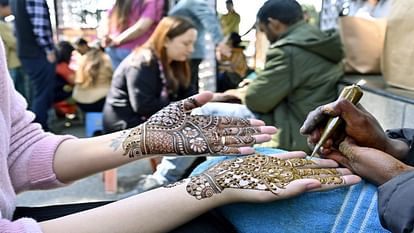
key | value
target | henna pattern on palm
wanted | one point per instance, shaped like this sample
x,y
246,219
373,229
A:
x,y
258,172
173,130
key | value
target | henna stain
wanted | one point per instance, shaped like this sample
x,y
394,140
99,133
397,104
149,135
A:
x,y
258,172
116,142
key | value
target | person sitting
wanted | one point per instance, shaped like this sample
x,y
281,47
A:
x,y
154,75
232,69
65,80
82,46
92,80
383,158
33,159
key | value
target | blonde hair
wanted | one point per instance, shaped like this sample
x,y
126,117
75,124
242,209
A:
x,y
94,63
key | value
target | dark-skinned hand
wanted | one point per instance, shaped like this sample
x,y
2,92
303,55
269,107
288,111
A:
x,y
371,164
359,124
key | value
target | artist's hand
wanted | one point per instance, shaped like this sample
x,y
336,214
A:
x,y
173,130
372,164
261,178
360,125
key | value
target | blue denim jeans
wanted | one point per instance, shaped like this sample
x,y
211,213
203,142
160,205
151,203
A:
x,y
117,55
172,169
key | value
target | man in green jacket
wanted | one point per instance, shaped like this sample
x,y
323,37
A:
x,y
302,68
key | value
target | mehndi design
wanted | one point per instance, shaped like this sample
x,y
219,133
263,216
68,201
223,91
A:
x,y
173,130
258,172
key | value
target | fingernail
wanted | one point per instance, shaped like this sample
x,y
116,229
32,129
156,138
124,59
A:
x,y
313,186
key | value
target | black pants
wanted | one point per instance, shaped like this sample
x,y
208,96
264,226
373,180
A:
x,y
210,222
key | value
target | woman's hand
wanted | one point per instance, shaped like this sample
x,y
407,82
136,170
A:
x,y
173,130
260,178
371,164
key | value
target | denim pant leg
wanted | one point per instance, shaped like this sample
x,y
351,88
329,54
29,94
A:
x,y
171,169
42,75
117,55
21,82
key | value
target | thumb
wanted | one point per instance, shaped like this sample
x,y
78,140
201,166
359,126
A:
x,y
197,100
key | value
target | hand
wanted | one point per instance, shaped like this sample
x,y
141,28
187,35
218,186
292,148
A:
x,y
51,56
372,164
173,130
244,83
225,97
260,178
360,125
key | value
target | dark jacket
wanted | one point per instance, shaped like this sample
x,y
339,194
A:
x,y
135,93
301,73
395,197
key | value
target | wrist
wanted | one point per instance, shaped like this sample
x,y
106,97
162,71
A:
x,y
396,148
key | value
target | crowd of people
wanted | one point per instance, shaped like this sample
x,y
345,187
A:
x,y
143,76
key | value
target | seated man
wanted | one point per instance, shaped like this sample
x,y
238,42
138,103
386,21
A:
x,y
303,65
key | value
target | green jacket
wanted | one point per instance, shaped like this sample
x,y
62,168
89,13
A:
x,y
301,72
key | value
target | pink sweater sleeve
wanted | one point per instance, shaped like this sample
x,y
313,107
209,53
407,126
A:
x,y
22,225
31,153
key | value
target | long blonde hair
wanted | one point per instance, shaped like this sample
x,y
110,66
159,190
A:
x,y
94,63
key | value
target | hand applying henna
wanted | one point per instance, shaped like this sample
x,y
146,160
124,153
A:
x,y
173,130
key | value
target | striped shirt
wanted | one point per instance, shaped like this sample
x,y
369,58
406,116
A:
x,y
38,12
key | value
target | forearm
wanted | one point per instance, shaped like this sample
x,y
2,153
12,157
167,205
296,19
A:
x,y
137,30
159,210
397,148
78,158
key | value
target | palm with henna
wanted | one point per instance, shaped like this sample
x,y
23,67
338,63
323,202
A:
x,y
261,178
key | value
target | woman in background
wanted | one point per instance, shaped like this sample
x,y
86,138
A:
x,y
93,80
129,24
154,75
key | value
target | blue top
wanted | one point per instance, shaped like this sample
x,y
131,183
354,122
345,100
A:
x,y
205,20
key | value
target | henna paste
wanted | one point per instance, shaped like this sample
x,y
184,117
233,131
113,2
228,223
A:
x,y
258,172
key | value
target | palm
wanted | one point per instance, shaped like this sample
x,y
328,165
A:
x,y
281,177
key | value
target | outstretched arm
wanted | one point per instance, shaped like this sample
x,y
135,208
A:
x,y
255,178
171,131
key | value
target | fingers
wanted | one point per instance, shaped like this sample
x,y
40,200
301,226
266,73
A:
x,y
246,131
197,100
331,183
312,121
289,155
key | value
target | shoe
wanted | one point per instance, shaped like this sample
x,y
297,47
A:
x,y
145,183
